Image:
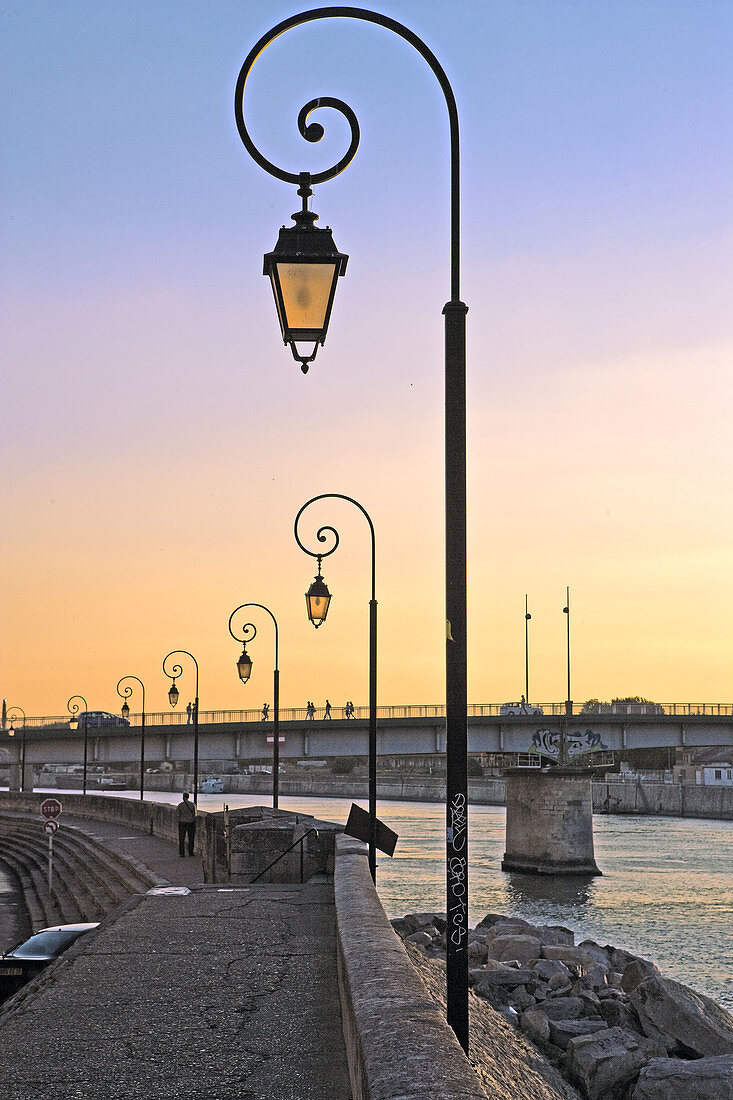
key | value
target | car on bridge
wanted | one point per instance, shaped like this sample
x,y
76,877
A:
x,y
519,709
101,718
18,966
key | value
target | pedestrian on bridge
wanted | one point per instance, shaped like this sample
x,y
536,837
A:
x,y
328,710
186,825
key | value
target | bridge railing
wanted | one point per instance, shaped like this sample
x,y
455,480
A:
x,y
413,710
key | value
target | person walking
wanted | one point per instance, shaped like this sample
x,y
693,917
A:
x,y
189,710
265,711
186,825
328,710
310,711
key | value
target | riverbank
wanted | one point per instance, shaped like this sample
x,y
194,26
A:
x,y
606,1019
609,797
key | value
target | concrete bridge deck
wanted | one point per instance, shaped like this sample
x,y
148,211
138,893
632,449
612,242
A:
x,y
209,990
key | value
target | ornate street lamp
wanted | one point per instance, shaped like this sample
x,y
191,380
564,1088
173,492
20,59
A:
x,y
125,694
317,598
244,668
310,600
304,268
73,709
455,475
12,712
173,694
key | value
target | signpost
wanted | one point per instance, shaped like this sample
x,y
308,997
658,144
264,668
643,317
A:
x,y
50,808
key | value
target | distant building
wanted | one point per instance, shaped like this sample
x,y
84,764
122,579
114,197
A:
x,y
710,767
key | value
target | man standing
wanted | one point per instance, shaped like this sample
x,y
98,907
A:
x,y
186,825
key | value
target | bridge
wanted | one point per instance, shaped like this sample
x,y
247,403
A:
x,y
241,736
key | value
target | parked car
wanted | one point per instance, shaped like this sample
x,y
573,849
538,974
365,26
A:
x,y
518,709
213,785
31,957
101,718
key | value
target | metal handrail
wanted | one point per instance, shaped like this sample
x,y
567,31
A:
x,y
410,710
278,858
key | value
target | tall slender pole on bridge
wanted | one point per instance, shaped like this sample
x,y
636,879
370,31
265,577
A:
x,y
244,668
527,617
304,268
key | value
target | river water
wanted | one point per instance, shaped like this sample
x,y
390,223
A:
x,y
666,892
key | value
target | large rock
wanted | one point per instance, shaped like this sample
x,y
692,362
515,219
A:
x,y
487,982
695,1022
672,1079
522,948
606,1063
535,1025
564,1008
562,1031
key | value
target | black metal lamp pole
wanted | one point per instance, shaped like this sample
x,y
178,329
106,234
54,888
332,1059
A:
x,y
125,694
175,672
74,724
290,254
244,667
11,714
322,537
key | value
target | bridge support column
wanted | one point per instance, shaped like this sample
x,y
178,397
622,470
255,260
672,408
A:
x,y
549,822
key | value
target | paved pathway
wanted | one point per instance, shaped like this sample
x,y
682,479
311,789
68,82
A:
x,y
209,990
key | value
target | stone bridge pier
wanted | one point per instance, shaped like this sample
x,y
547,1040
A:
x,y
549,821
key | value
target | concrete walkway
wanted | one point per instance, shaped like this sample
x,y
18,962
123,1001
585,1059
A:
x,y
225,992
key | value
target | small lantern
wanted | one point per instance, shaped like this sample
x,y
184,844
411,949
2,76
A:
x,y
304,268
74,722
125,710
244,666
11,731
317,599
173,694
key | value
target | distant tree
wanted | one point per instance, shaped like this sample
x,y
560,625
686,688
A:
x,y
595,706
343,765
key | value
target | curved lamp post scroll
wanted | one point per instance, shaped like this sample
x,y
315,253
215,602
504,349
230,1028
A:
x,y
244,668
317,600
11,715
173,694
125,694
310,281
73,709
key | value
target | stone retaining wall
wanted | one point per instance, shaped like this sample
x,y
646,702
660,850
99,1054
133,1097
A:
x,y
397,1042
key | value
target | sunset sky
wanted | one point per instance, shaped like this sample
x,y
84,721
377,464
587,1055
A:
x,y
158,439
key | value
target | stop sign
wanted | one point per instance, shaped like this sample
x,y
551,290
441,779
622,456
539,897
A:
x,y
51,807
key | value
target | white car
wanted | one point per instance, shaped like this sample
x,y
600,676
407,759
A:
x,y
212,786
519,709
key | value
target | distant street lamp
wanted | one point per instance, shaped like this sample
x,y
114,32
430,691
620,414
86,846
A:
x,y
11,715
308,261
244,668
317,600
125,694
173,694
74,725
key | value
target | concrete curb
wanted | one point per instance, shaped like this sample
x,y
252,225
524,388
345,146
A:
x,y
397,1040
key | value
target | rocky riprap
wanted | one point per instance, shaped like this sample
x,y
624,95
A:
x,y
614,1027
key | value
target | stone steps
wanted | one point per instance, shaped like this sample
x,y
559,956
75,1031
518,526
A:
x,y
90,880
